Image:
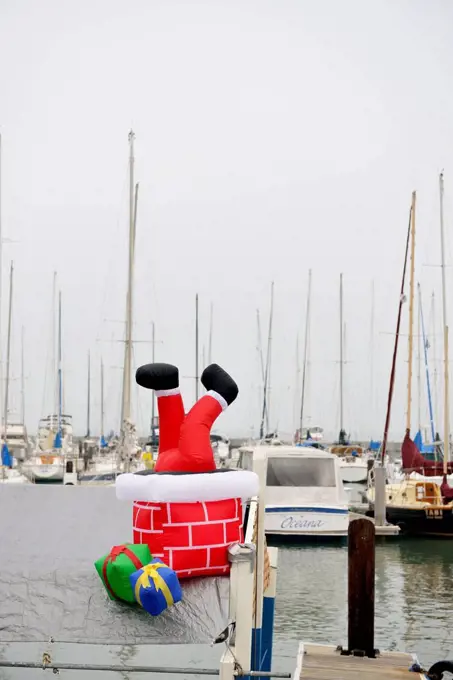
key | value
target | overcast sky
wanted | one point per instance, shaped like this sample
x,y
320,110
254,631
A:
x,y
271,137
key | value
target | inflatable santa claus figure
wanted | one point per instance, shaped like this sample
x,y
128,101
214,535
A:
x,y
186,510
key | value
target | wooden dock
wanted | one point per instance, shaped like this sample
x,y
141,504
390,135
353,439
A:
x,y
325,662
386,530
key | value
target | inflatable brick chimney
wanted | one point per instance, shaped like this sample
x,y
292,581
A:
x,y
185,510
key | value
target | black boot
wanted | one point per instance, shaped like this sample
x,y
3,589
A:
x,y
216,379
157,376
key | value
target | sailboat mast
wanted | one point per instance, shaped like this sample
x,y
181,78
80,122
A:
x,y
341,357
126,405
8,351
211,315
444,314
22,377
102,400
153,402
269,357
434,331
88,395
1,275
411,317
60,379
372,400
304,367
419,363
196,348
259,346
54,350
395,347
428,385
266,381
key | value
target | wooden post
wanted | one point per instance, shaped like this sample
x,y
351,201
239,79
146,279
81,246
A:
x,y
361,556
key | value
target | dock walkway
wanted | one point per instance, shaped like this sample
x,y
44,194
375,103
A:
x,y
325,662
386,530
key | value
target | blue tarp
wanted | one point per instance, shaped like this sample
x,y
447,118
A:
x,y
423,448
103,443
375,445
57,442
7,459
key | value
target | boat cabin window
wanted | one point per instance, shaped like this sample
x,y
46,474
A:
x,y
300,471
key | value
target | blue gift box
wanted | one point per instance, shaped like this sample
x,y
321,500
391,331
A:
x,y
156,587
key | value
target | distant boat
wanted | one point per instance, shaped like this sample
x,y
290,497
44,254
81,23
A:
x,y
305,498
422,506
54,440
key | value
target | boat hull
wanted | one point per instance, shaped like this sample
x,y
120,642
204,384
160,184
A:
x,y
354,473
436,522
44,473
311,522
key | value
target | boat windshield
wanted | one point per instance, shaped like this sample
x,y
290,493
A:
x,y
300,471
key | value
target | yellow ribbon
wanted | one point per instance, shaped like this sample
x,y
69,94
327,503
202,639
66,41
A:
x,y
149,574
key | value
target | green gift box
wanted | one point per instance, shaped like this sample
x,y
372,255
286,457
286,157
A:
x,y
115,568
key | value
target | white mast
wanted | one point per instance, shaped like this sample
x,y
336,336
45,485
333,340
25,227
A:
x,y
102,399
211,314
126,405
1,277
196,348
445,324
304,367
419,365
54,352
372,399
153,402
436,402
8,350
88,395
22,377
341,360
269,358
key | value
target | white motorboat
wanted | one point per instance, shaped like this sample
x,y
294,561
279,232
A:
x,y
353,463
305,498
47,466
47,463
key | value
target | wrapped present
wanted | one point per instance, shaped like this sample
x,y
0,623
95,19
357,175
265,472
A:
x,y
115,568
156,587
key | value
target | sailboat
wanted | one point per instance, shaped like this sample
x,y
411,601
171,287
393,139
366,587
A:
x,y
353,459
14,440
54,439
421,506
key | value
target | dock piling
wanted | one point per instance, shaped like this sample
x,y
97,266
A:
x,y
361,569
379,495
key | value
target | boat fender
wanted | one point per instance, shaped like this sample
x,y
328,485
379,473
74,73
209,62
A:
x,y
436,672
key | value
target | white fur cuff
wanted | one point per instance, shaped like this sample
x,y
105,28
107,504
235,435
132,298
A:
x,y
218,397
189,488
168,393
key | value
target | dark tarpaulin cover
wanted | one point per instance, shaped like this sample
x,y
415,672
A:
x,y
50,537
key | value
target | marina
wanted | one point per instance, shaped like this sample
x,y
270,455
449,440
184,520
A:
x,y
225,365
